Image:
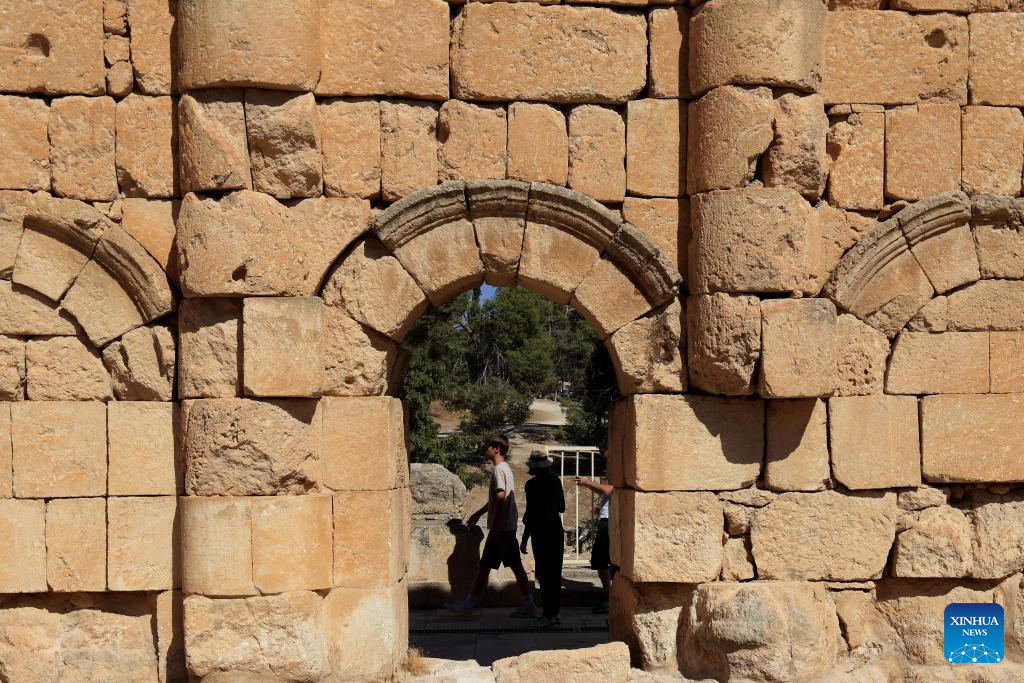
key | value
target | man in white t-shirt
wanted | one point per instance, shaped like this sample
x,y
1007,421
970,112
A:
x,y
600,556
501,546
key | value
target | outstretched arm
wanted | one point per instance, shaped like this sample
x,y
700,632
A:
x,y
600,487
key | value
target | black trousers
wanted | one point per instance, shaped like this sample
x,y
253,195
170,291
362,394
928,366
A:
x,y
548,549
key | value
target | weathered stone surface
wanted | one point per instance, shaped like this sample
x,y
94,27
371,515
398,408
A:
x,y
922,150
666,222
894,58
357,360
210,351
284,143
797,157
498,212
729,128
998,226
147,134
394,48
797,445
170,641
216,541
291,543
1006,362
367,631
12,370
408,148
944,363
602,53
608,299
23,312
649,353
692,442
827,536
856,146
737,563
971,438
862,353
798,341
444,261
273,636
13,206
760,631
352,147
120,80
370,539
753,240
76,544
993,150
142,535
473,140
724,342
141,454
358,430
597,153
839,231
939,237
101,304
988,305
922,498
65,369
142,364
53,52
151,224
998,538
60,449
656,148
283,346
23,527
606,662
212,141
436,492
874,441
115,17
647,617
555,280
27,147
932,317
240,447
994,69
82,148
669,30
153,40
256,44
538,144
938,545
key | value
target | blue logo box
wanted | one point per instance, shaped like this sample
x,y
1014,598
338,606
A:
x,y
973,633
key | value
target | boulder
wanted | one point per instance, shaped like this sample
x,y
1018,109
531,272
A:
x,y
436,492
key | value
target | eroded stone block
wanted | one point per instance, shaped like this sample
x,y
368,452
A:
x,y
967,438
874,441
669,30
12,369
597,153
352,147
284,351
23,134
1006,362
142,534
656,148
797,157
212,141
998,227
408,147
23,528
987,305
284,143
367,630
142,458
369,538
76,544
66,369
142,364
798,347
216,540
649,353
922,150
154,38
862,353
994,69
856,146
943,363
538,144
556,279
82,148
291,543
473,141
357,361
60,449
993,150
797,445
209,331
666,222
724,342
358,430
937,545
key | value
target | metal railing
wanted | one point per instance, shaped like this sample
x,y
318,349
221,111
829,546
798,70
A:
x,y
575,454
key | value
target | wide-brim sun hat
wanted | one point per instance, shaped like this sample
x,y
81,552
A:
x,y
538,459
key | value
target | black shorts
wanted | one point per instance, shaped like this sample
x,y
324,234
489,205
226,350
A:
x,y
600,555
502,550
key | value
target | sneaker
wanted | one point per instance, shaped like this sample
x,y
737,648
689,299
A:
x,y
460,607
544,622
525,612
600,609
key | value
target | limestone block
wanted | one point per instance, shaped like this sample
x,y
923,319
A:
x,y
828,536
967,438
922,498
13,206
24,312
922,150
993,150
797,157
116,49
82,148
753,240
368,538
151,224
862,353
504,51
241,447
666,222
941,241
52,52
76,544
894,57
358,430
668,31
656,148
798,348
170,636
436,493
141,364
797,445
142,537
291,543
259,43
27,147
932,317
120,80
597,151
397,48
607,662
153,39
115,17
351,142
216,541
284,143
994,69
874,441
101,305
12,369
65,369
60,449
998,540
556,279
409,148
473,140
938,545
692,442
671,537
498,212
783,631
538,144
367,631
856,147
944,363
270,637
357,360
371,286
756,42
23,528
141,454
729,128
998,226
724,342
1006,358
988,305
212,141
146,146
608,299
649,353
647,618
283,346
445,260
737,563
208,334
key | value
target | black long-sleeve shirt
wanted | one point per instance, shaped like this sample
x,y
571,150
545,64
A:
x,y
544,502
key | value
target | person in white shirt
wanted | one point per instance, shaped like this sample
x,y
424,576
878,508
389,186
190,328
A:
x,y
600,555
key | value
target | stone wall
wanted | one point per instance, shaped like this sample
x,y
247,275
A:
x,y
804,214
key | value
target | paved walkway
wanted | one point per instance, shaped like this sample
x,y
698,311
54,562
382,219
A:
x,y
491,634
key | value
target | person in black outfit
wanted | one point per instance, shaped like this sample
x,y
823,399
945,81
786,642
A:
x,y
544,504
